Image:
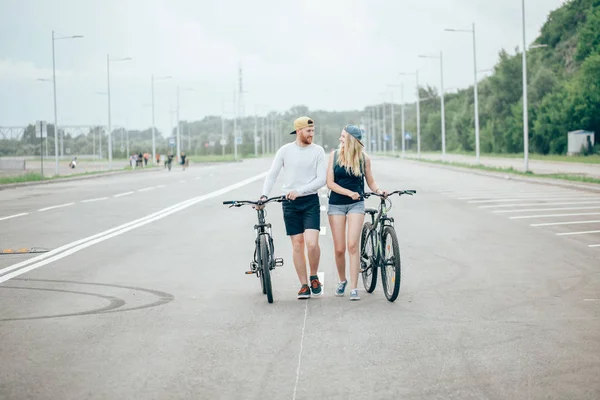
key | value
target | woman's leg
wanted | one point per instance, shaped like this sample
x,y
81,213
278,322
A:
x,y
337,224
355,223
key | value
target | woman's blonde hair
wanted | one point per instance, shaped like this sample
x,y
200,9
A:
x,y
350,155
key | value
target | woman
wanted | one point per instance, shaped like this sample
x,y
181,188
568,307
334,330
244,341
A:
x,y
348,167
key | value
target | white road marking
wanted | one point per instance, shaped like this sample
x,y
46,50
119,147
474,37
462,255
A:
x,y
504,195
323,208
146,189
73,247
540,204
593,245
576,233
123,194
566,223
552,215
198,177
53,207
323,231
182,181
13,216
300,353
570,197
92,200
546,209
591,299
160,186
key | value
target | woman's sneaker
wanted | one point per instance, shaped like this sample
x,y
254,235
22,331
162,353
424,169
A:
x,y
341,288
354,295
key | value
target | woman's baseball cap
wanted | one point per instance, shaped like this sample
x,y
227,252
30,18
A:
x,y
355,132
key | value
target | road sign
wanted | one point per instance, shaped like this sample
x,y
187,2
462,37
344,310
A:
x,y
407,136
122,149
171,142
223,142
239,140
386,138
41,128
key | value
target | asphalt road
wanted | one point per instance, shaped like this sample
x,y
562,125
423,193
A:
x,y
143,293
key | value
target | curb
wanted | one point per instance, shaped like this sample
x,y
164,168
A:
x,y
592,187
61,180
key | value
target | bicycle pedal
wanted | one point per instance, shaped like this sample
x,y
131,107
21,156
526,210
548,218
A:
x,y
279,262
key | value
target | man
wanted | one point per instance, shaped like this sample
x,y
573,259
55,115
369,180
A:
x,y
305,172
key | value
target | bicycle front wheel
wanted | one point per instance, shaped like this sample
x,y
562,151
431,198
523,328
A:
x,y
265,271
368,269
391,269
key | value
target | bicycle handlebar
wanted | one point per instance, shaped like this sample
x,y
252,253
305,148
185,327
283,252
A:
x,y
399,192
239,203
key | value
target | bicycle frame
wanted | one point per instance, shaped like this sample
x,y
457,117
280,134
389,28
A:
x,y
263,228
378,223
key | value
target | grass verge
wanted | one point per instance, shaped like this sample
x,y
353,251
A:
x,y
36,176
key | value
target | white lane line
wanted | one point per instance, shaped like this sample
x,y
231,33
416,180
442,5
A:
x,y
323,231
13,216
566,223
539,204
160,186
53,207
593,245
123,194
545,209
552,215
300,353
92,200
323,208
73,247
182,181
532,199
576,233
515,195
146,189
591,299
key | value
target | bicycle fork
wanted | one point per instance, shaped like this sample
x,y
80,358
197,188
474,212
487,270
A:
x,y
273,263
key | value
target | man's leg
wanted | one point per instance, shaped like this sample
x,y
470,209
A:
x,y
299,258
312,225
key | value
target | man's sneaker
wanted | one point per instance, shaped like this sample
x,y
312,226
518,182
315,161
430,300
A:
x,y
354,295
304,292
315,285
341,288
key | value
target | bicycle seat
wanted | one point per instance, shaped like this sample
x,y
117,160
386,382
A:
x,y
371,211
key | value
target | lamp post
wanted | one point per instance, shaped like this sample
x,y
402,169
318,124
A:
x,y
62,147
178,123
108,60
153,125
416,74
474,88
441,58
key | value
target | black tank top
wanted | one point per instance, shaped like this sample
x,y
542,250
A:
x,y
347,181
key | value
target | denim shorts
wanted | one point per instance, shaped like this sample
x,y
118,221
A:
x,y
344,209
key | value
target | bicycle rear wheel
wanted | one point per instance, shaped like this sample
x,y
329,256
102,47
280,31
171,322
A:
x,y
391,266
367,251
265,271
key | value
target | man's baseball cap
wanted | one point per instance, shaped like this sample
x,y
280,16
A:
x,y
355,132
301,123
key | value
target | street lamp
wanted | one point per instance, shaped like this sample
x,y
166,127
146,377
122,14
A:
x,y
418,112
441,57
401,86
153,126
54,38
178,123
108,60
474,87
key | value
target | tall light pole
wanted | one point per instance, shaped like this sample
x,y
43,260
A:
x,y
178,123
416,74
108,60
54,38
401,86
474,88
153,125
441,58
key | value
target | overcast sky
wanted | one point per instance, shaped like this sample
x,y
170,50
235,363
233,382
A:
x,y
325,54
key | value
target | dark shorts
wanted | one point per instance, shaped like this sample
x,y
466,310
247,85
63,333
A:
x,y
301,214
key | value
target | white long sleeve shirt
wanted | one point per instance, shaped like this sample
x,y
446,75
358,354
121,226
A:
x,y
304,169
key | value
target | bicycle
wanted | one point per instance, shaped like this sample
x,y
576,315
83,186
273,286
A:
x,y
377,235
263,261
